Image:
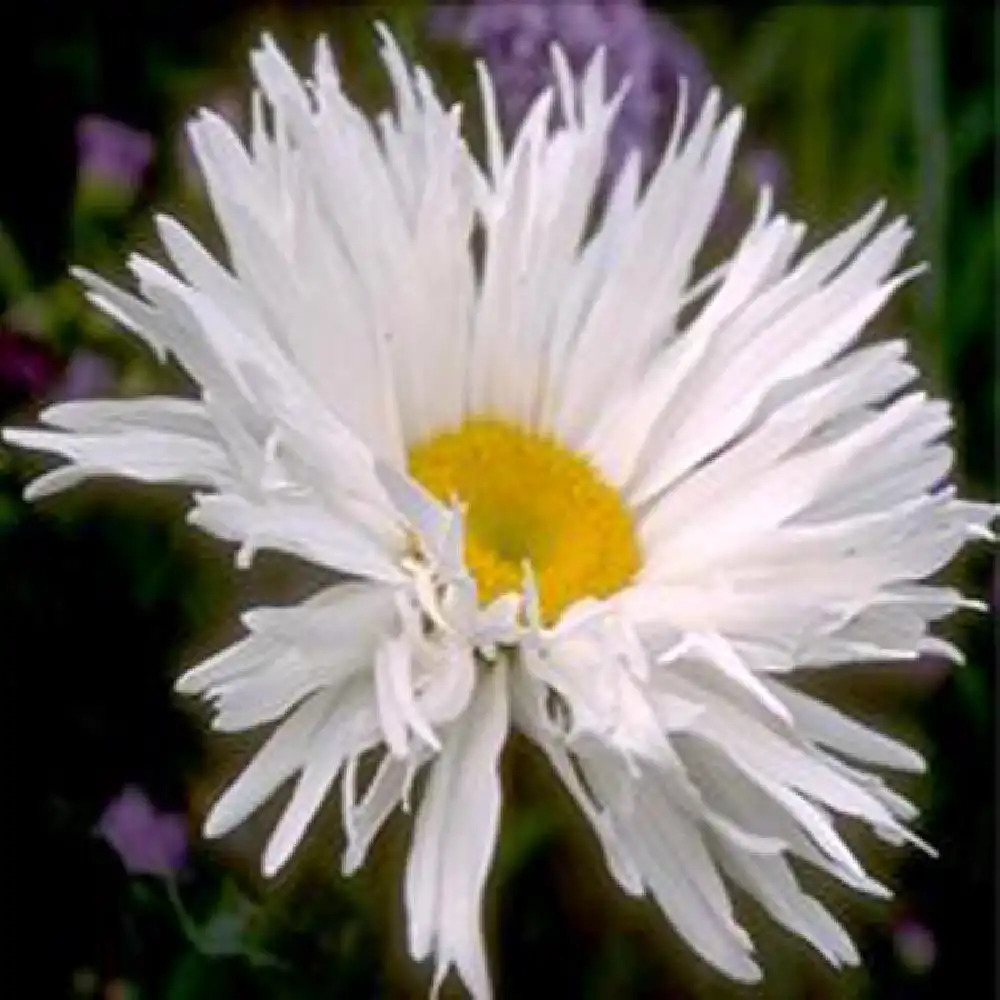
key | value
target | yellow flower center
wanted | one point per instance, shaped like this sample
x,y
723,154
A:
x,y
528,497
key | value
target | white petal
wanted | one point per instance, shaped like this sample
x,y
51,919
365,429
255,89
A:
x,y
397,704
675,864
349,728
771,812
529,717
345,620
268,694
364,820
155,413
642,293
454,837
243,658
281,756
827,726
302,529
148,456
770,880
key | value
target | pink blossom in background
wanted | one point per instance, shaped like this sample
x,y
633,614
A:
x,y
149,842
112,153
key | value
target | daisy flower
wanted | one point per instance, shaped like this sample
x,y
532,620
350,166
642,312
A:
x,y
561,484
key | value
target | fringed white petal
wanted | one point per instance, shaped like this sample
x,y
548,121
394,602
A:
x,y
454,836
670,852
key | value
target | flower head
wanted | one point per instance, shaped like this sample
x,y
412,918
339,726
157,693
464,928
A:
x,y
88,374
148,841
112,153
563,506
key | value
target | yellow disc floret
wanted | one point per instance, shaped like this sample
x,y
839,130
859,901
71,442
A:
x,y
528,497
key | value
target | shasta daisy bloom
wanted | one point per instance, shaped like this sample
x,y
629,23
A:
x,y
561,484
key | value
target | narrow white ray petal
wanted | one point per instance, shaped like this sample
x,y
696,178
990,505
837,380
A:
x,y
565,85
779,494
157,413
675,865
364,820
583,283
55,481
764,342
222,349
204,273
769,879
632,420
291,652
744,840
148,456
935,646
723,656
397,704
128,310
491,122
347,620
829,727
769,810
779,760
633,313
269,693
901,808
302,529
243,658
448,682
529,716
774,756
391,658
349,728
454,837
281,756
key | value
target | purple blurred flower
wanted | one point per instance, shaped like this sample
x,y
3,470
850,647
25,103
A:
x,y
148,841
514,38
914,945
29,369
764,166
32,372
87,376
112,153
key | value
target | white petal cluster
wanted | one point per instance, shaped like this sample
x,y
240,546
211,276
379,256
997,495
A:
x,y
789,491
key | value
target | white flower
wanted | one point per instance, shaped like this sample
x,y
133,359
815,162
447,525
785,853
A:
x,y
564,507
